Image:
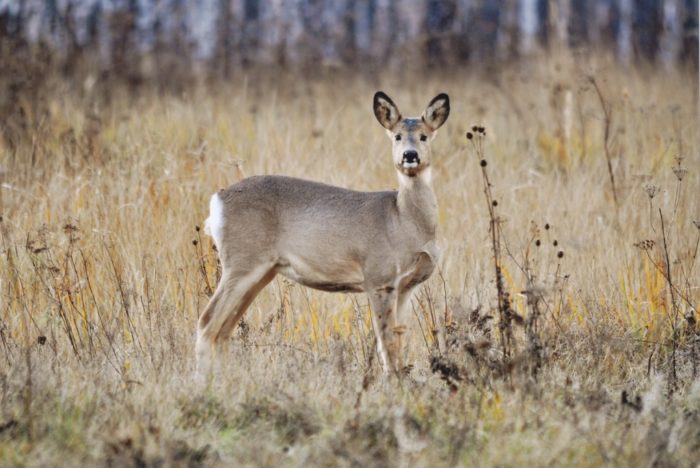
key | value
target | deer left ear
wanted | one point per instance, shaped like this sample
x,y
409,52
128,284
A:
x,y
385,110
437,111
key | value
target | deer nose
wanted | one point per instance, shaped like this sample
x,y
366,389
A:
x,y
411,156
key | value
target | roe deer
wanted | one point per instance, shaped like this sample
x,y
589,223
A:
x,y
330,238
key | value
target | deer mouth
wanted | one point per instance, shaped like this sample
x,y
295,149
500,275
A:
x,y
411,164
411,169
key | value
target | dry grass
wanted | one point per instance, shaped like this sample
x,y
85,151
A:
x,y
101,280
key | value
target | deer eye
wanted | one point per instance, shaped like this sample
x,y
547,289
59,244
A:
x,y
423,138
397,138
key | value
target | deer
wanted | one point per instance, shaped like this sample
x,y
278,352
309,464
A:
x,y
330,238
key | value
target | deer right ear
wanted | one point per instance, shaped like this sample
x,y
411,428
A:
x,y
437,111
385,110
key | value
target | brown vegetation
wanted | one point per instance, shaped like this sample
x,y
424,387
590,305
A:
x,y
560,329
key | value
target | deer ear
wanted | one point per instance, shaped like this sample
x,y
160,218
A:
x,y
385,110
437,111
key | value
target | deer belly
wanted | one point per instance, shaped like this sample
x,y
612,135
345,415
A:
x,y
325,274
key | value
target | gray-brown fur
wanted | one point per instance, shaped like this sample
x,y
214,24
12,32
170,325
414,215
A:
x,y
331,238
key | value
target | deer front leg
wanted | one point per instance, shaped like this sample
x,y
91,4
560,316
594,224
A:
x,y
383,303
399,329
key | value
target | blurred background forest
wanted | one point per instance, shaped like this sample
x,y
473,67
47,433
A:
x,y
94,47
143,39
169,43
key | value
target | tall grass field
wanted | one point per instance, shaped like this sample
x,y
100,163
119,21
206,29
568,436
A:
x,y
559,329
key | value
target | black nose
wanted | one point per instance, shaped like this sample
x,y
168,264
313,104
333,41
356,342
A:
x,y
411,156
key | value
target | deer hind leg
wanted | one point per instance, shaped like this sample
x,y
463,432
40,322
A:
x,y
235,292
383,303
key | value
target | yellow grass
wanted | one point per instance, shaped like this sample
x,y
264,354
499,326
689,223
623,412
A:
x,y
101,282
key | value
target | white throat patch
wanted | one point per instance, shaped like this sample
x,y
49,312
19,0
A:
x,y
425,176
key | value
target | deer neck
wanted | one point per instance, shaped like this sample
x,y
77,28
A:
x,y
417,203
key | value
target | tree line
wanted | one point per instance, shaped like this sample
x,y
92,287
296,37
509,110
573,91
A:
x,y
137,37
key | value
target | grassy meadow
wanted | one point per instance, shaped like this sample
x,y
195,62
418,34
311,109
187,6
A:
x,y
584,352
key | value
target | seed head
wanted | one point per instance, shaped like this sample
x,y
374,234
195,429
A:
x,y
194,242
41,340
196,227
494,202
475,129
483,163
651,190
647,244
546,227
555,243
538,242
560,254
680,172
469,135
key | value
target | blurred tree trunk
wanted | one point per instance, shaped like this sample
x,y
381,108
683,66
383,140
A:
x,y
383,31
624,36
364,22
224,41
690,33
347,49
250,40
558,24
671,35
647,28
579,28
528,24
601,25
439,25
507,45
484,30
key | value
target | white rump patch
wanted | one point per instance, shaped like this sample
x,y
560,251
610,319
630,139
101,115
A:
x,y
214,225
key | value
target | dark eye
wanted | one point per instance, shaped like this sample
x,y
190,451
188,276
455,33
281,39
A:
x,y
423,138
397,137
